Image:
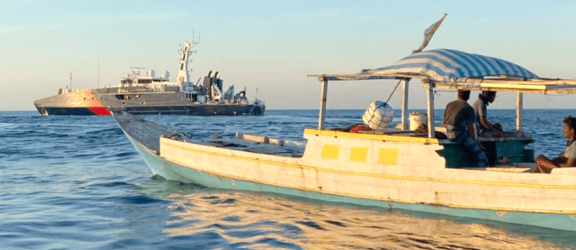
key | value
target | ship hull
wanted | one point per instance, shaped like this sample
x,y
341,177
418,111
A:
x,y
91,102
204,110
72,111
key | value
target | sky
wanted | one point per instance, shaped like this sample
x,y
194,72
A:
x,y
271,46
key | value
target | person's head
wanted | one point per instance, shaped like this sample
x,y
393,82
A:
x,y
464,94
488,96
569,127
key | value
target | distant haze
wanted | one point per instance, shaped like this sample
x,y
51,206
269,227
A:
x,y
272,45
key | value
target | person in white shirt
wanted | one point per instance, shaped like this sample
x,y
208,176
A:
x,y
565,159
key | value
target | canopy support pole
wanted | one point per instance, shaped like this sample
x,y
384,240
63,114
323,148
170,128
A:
x,y
404,103
519,109
430,107
323,94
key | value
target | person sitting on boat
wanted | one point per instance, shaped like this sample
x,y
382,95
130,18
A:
x,y
566,158
459,123
480,114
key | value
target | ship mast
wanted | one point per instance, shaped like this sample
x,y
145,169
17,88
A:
x,y
185,53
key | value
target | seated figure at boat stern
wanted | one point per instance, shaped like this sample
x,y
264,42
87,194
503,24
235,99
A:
x,y
485,128
566,158
459,123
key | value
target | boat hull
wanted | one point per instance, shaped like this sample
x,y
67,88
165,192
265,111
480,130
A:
x,y
174,171
398,172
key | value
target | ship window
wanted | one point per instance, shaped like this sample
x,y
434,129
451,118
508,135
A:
x,y
120,97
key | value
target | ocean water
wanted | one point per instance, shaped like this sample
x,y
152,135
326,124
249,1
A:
x,y
74,182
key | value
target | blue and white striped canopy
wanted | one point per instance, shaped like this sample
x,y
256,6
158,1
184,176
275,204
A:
x,y
448,65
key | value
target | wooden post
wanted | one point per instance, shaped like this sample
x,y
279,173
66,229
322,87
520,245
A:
x,y
404,103
430,107
519,108
323,94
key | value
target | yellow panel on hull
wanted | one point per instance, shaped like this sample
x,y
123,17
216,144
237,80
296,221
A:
x,y
358,154
388,156
330,151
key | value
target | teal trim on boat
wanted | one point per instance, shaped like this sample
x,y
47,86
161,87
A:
x,y
173,171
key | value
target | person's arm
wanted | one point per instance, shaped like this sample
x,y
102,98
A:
x,y
569,163
489,126
482,113
485,123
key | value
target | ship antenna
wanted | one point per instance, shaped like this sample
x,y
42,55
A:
x,y
70,80
194,40
98,72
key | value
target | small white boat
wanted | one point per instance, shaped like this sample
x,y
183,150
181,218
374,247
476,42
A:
x,y
389,168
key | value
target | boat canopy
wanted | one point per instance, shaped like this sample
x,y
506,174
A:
x,y
453,69
446,65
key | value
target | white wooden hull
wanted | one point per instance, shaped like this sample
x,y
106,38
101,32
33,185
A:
x,y
385,171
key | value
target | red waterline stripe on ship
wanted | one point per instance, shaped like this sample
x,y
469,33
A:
x,y
94,105
99,110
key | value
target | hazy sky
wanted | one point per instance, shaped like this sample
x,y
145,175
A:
x,y
273,45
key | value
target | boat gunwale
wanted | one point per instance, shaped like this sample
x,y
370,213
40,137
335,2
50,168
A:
x,y
376,137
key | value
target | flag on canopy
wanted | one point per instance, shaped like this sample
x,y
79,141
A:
x,y
428,33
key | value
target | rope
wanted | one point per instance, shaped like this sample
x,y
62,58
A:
x,y
390,96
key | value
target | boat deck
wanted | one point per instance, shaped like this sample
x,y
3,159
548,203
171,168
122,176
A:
x,y
259,144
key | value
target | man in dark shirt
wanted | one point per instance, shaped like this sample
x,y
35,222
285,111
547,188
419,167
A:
x,y
459,123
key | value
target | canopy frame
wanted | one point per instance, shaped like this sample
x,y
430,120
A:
x,y
545,86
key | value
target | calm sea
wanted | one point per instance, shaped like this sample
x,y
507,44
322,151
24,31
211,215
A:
x,y
74,182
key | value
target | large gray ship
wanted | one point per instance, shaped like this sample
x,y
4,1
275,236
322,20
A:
x,y
153,94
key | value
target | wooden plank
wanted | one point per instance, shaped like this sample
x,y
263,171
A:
x,y
323,95
519,109
355,77
430,106
405,103
503,80
508,88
